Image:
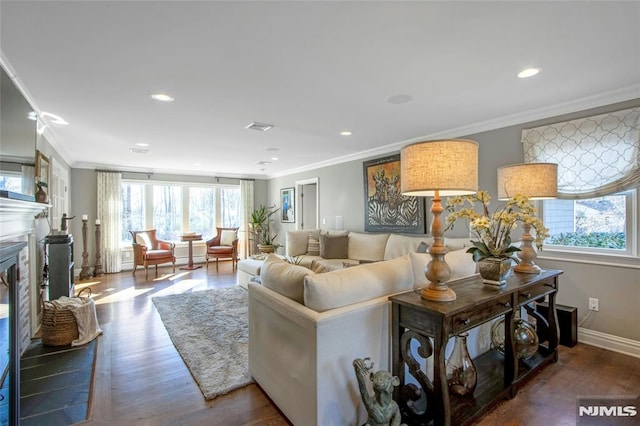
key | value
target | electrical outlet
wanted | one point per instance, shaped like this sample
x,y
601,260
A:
x,y
593,304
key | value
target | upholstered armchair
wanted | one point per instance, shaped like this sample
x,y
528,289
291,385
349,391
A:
x,y
223,246
149,250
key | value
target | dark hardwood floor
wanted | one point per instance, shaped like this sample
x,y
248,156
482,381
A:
x,y
140,378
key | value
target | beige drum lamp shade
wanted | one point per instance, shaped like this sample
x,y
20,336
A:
x,y
538,181
447,166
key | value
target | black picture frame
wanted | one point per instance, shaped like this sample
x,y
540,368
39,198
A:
x,y
385,208
287,204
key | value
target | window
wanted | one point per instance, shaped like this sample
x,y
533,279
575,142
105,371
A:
x,y
202,213
132,197
11,182
598,161
602,223
173,209
230,200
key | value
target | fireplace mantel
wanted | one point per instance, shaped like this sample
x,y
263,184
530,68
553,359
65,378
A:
x,y
18,224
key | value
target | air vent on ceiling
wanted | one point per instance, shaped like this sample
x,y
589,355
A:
x,y
138,150
263,127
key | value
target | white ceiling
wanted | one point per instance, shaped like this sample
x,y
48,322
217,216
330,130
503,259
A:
x,y
313,69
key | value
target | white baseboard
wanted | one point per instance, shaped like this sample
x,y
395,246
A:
x,y
609,342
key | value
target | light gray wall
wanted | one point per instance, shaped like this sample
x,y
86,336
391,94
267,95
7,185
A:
x,y
341,191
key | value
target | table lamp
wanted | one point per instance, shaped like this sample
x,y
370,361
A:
x,y
434,169
538,181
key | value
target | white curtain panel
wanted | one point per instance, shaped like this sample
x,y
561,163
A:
x,y
109,213
246,207
596,156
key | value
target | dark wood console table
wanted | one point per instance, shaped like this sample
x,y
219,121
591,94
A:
x,y
499,376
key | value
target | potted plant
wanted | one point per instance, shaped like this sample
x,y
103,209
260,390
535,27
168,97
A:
x,y
493,251
260,225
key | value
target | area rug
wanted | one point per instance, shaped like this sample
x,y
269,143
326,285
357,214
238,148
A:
x,y
210,330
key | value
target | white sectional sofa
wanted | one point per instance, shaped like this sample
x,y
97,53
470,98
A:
x,y
306,328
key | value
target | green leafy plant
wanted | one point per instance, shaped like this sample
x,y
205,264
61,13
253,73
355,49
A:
x,y
260,222
494,230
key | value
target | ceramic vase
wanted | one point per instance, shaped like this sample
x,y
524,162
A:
x,y
462,376
494,271
41,196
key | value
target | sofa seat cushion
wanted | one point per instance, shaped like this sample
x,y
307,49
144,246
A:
x,y
369,247
321,265
158,254
284,278
357,284
460,262
220,249
250,266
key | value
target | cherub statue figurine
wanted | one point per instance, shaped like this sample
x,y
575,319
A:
x,y
382,409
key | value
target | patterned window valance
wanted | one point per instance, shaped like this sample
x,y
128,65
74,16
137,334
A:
x,y
596,156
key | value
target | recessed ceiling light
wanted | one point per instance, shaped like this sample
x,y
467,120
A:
x,y
399,99
528,72
138,151
162,97
346,133
274,158
142,144
263,162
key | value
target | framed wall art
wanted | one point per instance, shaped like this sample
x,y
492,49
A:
x,y
287,202
386,209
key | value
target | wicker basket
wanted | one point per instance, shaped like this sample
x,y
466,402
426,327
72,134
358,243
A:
x,y
59,326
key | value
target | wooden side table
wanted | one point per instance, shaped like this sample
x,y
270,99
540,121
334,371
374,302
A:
x,y
190,238
499,376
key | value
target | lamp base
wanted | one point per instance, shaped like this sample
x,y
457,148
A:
x,y
527,268
438,293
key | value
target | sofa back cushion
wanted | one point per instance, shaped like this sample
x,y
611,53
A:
x,y
357,284
296,243
460,262
334,246
368,247
284,278
399,245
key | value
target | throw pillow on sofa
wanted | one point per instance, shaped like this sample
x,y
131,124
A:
x,y
313,243
284,278
334,246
